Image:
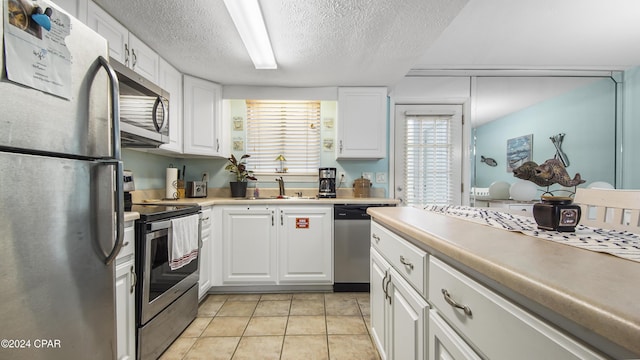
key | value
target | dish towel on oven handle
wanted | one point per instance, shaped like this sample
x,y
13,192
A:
x,y
183,247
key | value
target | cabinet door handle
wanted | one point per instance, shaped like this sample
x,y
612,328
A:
x,y
281,219
386,290
217,145
126,54
383,289
135,58
340,146
134,281
405,262
273,221
450,301
376,238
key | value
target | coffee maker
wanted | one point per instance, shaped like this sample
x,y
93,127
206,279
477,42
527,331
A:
x,y
327,187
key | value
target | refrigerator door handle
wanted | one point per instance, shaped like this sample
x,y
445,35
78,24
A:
x,y
115,107
116,158
119,207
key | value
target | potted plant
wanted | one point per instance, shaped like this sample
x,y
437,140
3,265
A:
x,y
239,168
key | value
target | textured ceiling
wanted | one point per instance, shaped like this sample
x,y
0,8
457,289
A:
x,y
316,42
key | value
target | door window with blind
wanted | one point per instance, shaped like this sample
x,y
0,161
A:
x,y
287,128
428,156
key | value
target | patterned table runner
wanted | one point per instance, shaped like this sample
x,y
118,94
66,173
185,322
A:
x,y
618,243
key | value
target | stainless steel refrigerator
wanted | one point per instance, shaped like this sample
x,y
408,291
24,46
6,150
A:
x,y
60,195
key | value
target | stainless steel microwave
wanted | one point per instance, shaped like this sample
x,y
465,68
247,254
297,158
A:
x,y
144,110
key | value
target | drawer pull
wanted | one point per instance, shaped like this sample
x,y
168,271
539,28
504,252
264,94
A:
x,y
405,262
450,301
376,238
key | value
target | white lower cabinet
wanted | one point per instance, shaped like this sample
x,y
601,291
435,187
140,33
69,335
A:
x,y
205,256
125,283
398,313
249,245
270,245
445,343
493,325
466,321
305,245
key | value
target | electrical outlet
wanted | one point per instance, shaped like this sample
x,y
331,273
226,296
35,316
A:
x,y
367,175
381,177
205,176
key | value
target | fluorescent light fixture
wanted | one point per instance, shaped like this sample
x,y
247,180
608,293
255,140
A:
x,y
247,17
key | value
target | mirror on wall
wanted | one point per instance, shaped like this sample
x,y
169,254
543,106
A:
x,y
512,114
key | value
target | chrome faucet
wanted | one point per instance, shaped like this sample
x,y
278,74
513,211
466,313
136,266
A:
x,y
281,185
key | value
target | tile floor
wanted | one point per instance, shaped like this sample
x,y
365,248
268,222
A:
x,y
298,326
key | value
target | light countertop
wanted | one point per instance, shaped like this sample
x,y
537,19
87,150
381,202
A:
x,y
596,291
209,201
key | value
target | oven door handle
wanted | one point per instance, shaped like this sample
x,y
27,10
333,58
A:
x,y
160,225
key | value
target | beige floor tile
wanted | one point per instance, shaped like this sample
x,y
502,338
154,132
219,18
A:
x,y
226,326
273,308
346,325
259,347
178,349
306,325
216,297
307,347
308,296
213,348
307,307
340,295
237,308
344,306
365,306
266,325
349,347
367,322
276,297
363,296
209,308
244,297
196,327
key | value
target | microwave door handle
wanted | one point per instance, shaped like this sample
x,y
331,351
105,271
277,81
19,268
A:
x,y
115,160
165,115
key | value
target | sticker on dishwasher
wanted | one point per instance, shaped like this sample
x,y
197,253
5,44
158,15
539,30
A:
x,y
302,223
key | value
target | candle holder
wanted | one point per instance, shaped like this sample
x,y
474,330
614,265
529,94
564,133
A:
x,y
282,159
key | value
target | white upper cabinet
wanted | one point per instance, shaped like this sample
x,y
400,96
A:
x,y
170,79
362,123
203,118
124,46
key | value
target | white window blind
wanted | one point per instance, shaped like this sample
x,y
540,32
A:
x,y
288,128
431,163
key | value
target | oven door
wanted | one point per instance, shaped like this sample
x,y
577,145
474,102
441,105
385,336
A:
x,y
160,285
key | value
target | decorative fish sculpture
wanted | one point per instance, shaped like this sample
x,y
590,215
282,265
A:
x,y
553,171
488,161
527,171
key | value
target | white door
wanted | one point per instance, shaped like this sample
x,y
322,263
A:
x,y
249,246
409,320
428,154
378,299
445,343
305,241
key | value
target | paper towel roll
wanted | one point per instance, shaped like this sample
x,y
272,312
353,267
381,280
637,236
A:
x,y
171,184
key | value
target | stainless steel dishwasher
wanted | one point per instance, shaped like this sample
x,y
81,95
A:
x,y
351,234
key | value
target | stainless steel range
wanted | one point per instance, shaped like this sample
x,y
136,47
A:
x,y
166,299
